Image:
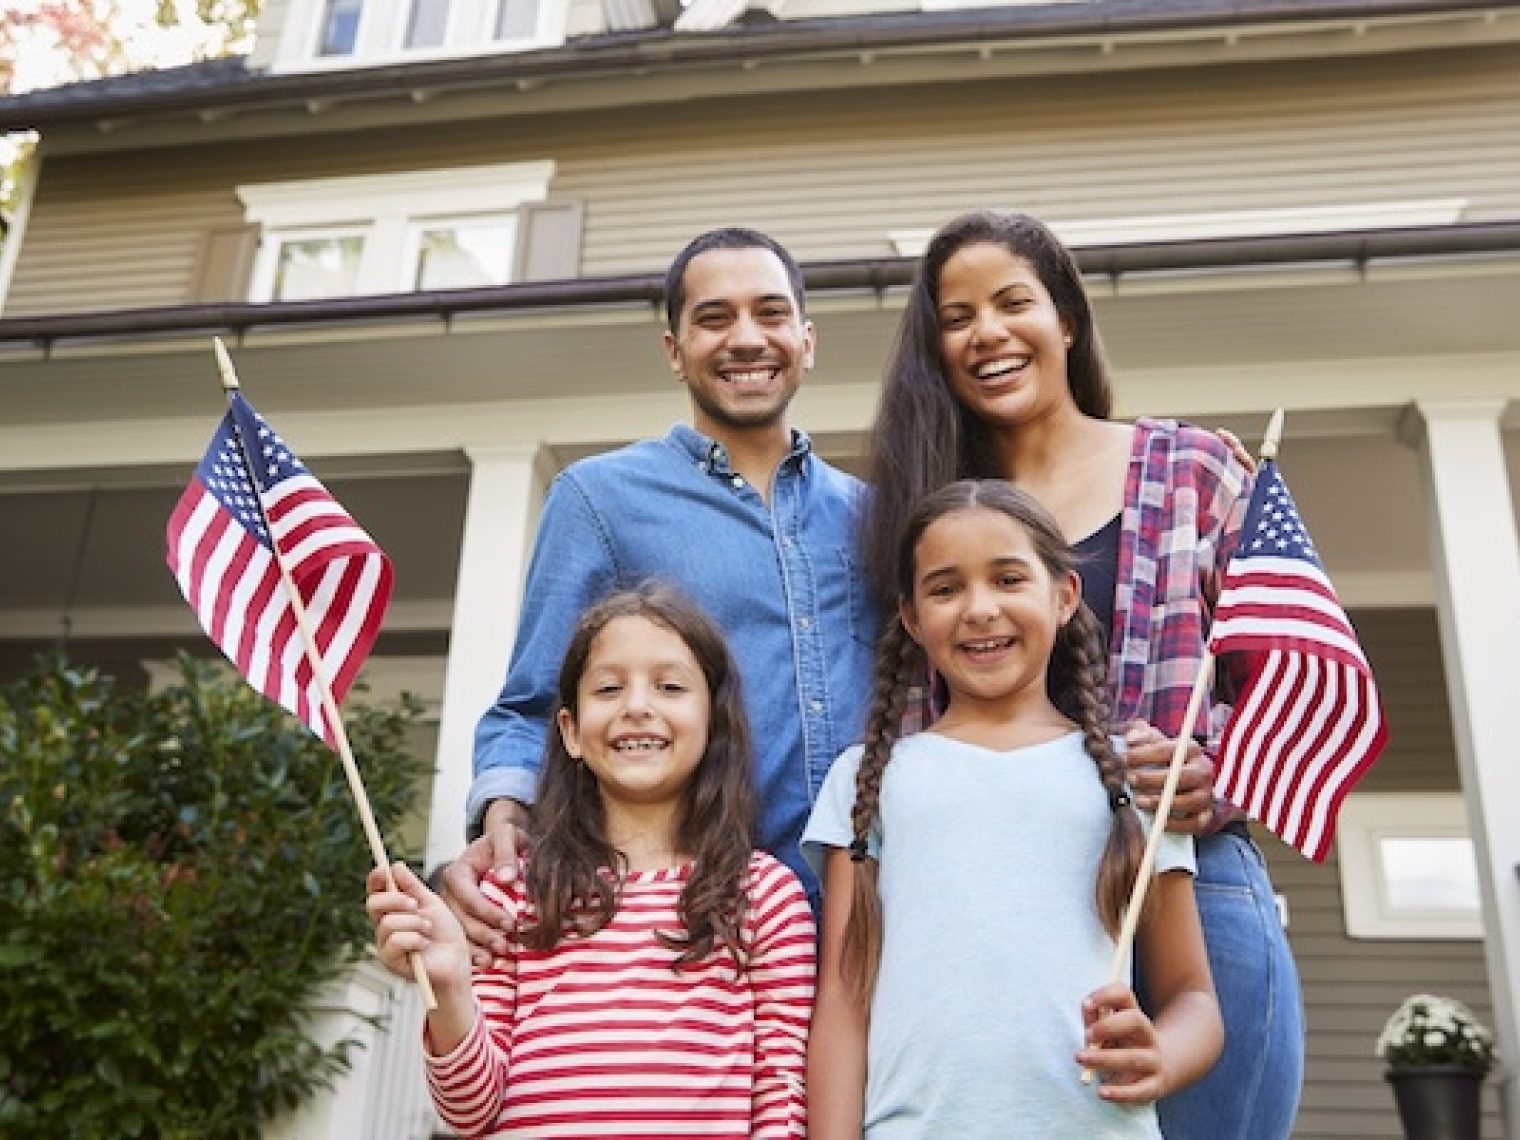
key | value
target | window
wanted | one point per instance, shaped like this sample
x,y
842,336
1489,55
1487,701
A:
x,y
321,265
517,19
390,233
1408,868
463,254
325,34
428,23
340,27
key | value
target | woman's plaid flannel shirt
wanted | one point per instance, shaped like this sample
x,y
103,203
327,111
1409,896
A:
x,y
1184,503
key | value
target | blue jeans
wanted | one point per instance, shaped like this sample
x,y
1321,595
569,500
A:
x,y
1252,1092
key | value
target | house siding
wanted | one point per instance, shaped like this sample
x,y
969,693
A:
x,y
1351,986
831,173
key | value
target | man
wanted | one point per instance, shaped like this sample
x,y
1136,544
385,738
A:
x,y
734,509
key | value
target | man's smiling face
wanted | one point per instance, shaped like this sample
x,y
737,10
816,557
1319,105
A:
x,y
742,343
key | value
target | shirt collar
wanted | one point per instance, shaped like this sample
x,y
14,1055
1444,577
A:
x,y
712,457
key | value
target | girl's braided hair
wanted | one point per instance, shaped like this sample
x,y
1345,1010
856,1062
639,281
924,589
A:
x,y
1077,681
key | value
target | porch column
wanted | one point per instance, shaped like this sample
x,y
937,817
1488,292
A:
x,y
1476,559
506,493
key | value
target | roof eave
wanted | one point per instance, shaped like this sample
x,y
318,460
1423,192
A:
x,y
663,49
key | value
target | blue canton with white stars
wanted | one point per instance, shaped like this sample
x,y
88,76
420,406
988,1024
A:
x,y
227,478
1273,528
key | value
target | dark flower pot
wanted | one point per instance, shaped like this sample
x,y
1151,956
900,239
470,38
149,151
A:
x,y
1437,1102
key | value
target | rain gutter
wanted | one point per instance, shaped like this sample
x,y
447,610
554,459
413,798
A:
x,y
1359,248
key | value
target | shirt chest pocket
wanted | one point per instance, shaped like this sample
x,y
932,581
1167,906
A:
x,y
859,612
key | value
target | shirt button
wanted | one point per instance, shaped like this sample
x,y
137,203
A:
x,y
737,480
815,706
805,622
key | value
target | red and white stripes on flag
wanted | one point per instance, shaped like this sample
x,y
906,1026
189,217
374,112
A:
x,y
223,557
1309,722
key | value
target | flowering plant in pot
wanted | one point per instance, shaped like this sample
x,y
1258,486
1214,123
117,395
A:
x,y
1437,1054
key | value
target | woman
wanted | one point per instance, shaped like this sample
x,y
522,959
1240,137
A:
x,y
999,372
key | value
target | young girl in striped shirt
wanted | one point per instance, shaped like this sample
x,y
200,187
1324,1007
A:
x,y
660,978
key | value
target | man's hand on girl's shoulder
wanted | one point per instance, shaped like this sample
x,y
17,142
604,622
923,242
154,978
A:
x,y
504,835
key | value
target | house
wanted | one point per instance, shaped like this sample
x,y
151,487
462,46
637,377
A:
x,y
431,233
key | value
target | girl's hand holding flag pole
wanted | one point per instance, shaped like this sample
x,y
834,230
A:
x,y
283,581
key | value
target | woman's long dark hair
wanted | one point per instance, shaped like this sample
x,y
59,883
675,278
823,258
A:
x,y
1077,681
923,438
567,882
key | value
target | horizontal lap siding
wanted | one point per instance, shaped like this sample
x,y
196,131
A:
x,y
1351,986
831,173
832,176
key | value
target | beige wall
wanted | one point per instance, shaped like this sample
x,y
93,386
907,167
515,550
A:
x,y
1351,986
831,173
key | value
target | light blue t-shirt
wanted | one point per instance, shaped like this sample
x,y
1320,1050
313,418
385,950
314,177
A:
x,y
991,938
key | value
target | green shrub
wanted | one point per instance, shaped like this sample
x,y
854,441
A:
x,y
179,873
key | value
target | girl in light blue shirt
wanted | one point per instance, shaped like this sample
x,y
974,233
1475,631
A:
x,y
975,873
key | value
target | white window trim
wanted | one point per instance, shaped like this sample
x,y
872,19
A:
x,y
1366,819
1230,223
387,208
267,264
382,33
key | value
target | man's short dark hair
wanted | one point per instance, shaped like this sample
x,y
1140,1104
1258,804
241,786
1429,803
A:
x,y
729,237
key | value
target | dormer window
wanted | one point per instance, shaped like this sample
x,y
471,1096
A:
x,y
428,24
354,33
340,27
517,19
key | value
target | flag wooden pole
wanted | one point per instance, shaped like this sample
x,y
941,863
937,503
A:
x,y
1125,941
324,687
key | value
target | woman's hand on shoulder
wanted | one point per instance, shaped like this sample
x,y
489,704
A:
x,y
1122,1047
1148,754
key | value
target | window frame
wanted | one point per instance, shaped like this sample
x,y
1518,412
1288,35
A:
x,y
1368,818
417,225
469,30
404,25
390,209
323,7
266,265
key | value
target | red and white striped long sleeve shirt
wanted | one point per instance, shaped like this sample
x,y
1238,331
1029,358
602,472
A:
x,y
600,1036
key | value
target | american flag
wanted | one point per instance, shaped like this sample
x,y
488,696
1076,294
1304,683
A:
x,y
1309,722
223,556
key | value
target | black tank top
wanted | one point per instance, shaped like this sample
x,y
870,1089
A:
x,y
1098,563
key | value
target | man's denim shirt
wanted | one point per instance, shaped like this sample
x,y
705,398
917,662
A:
x,y
781,580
